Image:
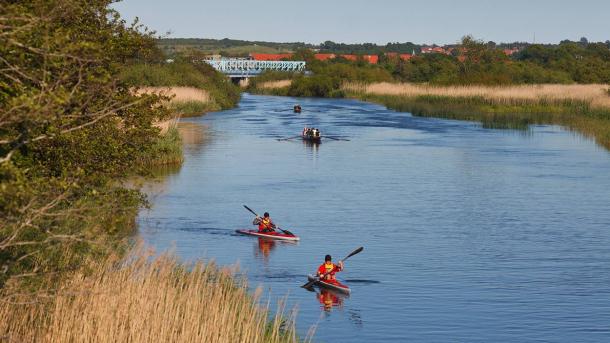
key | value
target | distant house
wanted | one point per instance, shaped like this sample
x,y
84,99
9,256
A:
x,y
433,50
270,57
324,57
510,52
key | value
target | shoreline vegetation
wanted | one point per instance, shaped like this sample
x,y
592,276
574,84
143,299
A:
x,y
583,108
188,89
72,132
146,299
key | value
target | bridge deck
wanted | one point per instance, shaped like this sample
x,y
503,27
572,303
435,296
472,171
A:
x,y
241,68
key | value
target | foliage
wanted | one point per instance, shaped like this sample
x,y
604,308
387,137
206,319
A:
x,y
166,150
69,128
182,73
476,62
326,79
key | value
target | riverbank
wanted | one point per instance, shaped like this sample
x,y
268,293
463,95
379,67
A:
x,y
192,89
184,101
582,108
143,300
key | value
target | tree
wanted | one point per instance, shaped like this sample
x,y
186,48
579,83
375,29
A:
x,y
583,41
68,128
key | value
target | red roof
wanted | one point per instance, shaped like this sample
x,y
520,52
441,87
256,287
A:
x,y
270,57
324,57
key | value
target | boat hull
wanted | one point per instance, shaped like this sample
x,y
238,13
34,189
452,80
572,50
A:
x,y
274,235
331,286
312,139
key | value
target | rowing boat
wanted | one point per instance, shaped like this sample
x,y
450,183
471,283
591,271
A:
x,y
271,235
311,138
338,286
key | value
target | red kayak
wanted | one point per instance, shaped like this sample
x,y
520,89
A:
x,y
336,286
271,235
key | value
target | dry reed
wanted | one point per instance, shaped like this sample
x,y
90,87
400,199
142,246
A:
x,y
178,94
145,300
274,84
596,95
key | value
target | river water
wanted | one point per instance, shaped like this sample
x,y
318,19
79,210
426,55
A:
x,y
469,234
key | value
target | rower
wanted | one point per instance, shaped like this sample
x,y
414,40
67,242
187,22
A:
x,y
265,225
326,271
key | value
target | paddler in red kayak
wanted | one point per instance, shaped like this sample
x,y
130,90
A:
x,y
327,271
265,225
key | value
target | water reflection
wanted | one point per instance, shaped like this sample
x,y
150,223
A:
x,y
264,248
313,145
329,299
194,135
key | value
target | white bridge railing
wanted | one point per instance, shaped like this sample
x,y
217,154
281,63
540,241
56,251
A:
x,y
241,68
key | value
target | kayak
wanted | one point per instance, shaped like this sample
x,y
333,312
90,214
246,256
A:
x,y
272,235
339,287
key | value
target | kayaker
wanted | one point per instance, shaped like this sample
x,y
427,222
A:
x,y
327,271
265,225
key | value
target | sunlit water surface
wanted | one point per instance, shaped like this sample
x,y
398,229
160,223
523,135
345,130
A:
x,y
470,234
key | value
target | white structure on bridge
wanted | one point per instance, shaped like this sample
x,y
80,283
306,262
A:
x,y
242,68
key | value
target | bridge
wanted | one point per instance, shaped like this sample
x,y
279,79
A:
x,y
243,69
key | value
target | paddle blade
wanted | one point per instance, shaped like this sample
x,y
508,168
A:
x,y
357,251
309,284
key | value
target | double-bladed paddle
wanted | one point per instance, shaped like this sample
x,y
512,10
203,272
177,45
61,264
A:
x,y
310,283
284,231
336,138
286,139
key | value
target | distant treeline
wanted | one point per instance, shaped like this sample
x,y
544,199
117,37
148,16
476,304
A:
x,y
472,62
172,45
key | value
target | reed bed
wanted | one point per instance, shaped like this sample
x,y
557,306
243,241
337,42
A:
x,y
274,84
185,101
584,109
145,300
596,95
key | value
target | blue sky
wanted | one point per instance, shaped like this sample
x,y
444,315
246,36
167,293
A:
x,y
376,21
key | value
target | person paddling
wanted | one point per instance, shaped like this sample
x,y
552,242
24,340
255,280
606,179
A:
x,y
265,224
327,271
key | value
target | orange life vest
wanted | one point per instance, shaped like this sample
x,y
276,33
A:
x,y
329,269
265,223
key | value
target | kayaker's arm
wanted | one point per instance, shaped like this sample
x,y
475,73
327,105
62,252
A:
x,y
256,221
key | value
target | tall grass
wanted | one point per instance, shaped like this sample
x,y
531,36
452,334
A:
x,y
581,108
275,84
184,101
145,300
167,149
220,92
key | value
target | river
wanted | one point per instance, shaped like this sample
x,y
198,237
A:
x,y
469,234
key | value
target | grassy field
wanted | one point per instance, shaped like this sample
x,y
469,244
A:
x,y
144,299
581,108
